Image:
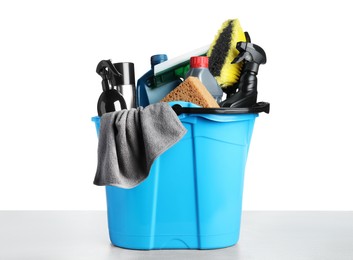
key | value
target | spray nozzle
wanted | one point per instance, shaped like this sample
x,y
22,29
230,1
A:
x,y
107,71
107,64
250,52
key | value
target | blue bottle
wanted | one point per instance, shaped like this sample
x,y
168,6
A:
x,y
148,91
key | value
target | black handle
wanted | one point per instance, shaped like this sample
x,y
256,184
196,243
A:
x,y
255,109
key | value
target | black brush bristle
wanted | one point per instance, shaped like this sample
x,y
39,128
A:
x,y
220,50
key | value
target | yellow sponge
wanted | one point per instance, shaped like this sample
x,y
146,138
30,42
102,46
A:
x,y
223,51
194,91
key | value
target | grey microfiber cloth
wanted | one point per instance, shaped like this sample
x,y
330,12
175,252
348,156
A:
x,y
130,140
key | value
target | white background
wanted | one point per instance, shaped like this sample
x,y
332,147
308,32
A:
x,y
301,153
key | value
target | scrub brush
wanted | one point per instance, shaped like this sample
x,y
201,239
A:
x,y
223,51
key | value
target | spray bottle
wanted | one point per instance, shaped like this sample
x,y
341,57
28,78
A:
x,y
110,97
253,56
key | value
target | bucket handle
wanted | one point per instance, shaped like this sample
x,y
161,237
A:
x,y
255,109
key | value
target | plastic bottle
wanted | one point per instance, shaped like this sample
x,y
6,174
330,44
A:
x,y
147,90
253,56
110,98
199,68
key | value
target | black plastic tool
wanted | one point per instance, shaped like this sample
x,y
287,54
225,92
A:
x,y
254,109
246,95
106,101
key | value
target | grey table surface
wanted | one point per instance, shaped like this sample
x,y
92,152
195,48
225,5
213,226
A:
x,y
264,235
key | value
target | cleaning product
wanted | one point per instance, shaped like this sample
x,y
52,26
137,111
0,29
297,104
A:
x,y
110,96
223,51
164,76
147,90
199,69
253,56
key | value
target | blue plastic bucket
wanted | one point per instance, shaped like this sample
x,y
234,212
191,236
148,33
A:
x,y
192,198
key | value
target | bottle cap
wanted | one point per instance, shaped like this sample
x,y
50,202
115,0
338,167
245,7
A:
x,y
199,62
158,58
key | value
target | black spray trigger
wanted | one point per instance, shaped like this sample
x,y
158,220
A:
x,y
106,65
250,52
247,37
243,56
